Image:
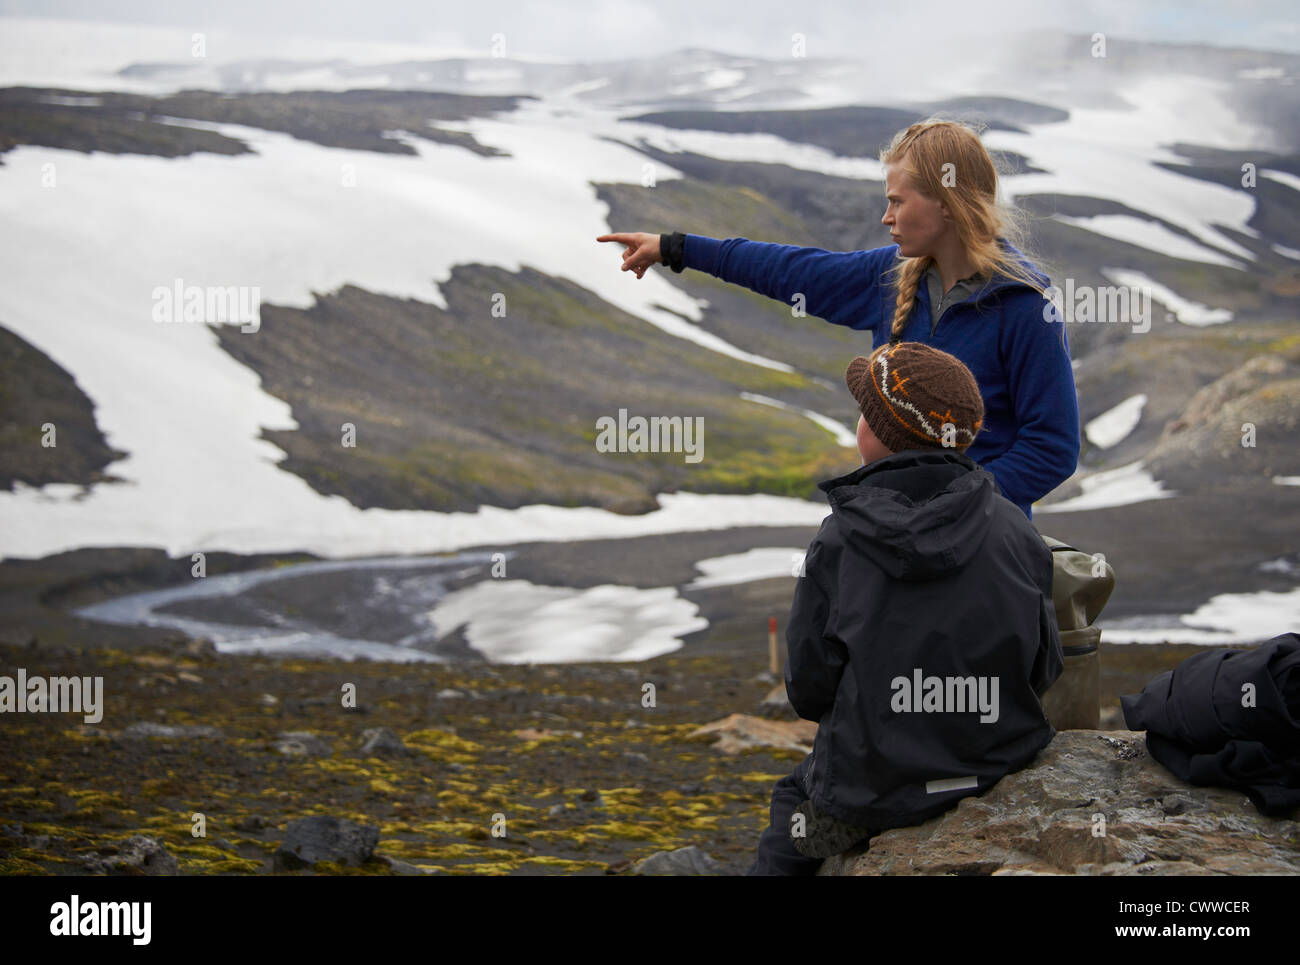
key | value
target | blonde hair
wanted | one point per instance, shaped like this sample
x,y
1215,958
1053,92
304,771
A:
x,y
969,189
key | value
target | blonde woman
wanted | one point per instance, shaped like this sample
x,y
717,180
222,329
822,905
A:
x,y
952,279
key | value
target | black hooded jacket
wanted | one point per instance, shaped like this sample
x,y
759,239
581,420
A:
x,y
924,591
1229,718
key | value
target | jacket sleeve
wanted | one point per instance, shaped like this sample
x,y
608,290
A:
x,y
814,659
1049,662
1040,380
838,286
1049,656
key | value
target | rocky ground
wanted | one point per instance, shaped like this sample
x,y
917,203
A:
x,y
585,777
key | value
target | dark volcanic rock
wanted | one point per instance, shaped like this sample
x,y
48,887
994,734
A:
x,y
322,838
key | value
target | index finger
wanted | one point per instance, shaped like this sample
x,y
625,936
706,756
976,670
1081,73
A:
x,y
624,238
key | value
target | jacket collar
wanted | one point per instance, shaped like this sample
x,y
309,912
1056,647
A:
x,y
999,281
907,459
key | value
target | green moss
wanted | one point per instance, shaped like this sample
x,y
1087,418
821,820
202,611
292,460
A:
x,y
624,830
21,866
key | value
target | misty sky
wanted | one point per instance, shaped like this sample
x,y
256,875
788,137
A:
x,y
603,29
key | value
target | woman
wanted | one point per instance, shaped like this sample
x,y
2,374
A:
x,y
951,280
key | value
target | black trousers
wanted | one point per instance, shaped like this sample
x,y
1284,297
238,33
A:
x,y
776,852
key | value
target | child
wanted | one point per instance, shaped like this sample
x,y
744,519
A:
x,y
922,632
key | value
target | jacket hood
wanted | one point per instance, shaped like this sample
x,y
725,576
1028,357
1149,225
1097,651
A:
x,y
1003,281
918,515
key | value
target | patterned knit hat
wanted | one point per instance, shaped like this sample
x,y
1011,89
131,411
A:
x,y
910,391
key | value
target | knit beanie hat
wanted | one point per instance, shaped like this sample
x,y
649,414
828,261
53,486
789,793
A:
x,y
908,392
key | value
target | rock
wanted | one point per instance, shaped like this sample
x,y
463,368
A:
x,y
302,743
38,841
1048,819
252,822
739,732
449,694
533,733
268,700
201,647
323,838
144,728
405,867
136,855
382,742
555,810
777,704
684,861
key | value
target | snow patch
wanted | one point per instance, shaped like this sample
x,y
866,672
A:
x,y
842,435
1115,487
1186,311
514,621
761,563
1225,619
1113,425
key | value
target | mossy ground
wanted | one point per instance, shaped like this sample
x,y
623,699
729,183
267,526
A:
x,y
627,779
468,772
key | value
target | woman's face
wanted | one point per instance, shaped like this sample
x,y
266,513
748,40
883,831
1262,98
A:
x,y
915,222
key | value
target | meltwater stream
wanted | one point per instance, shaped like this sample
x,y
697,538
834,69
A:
x,y
376,608
403,608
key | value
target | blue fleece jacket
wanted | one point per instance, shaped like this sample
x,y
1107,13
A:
x,y
1030,437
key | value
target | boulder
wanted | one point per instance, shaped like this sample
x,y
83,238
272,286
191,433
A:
x,y
740,732
137,855
684,861
323,838
1091,803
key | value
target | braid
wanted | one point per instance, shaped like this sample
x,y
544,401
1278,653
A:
x,y
910,271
